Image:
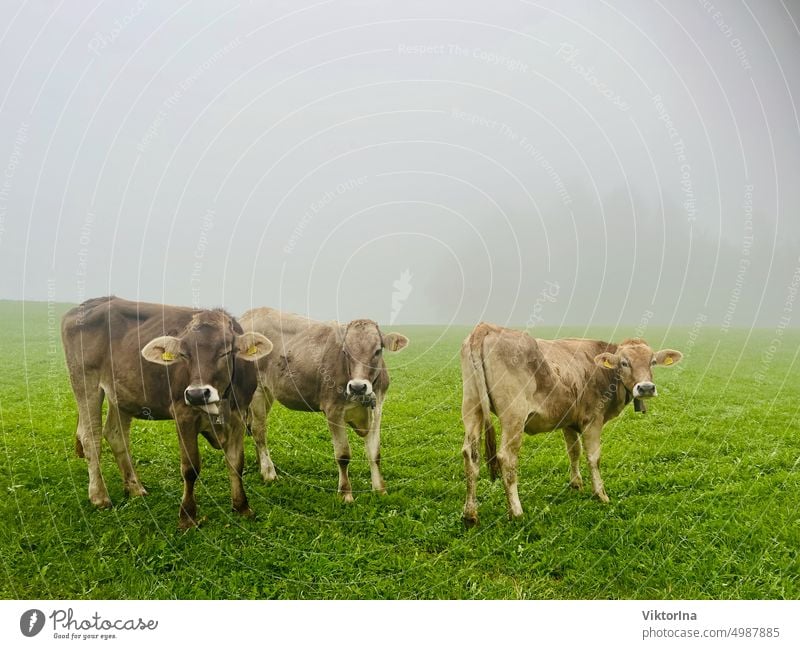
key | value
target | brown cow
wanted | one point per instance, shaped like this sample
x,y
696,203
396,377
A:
x,y
337,369
200,372
536,386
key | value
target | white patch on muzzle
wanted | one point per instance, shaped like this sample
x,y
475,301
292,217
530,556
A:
x,y
356,388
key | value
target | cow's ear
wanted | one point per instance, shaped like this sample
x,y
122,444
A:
x,y
164,350
609,361
394,342
252,345
668,357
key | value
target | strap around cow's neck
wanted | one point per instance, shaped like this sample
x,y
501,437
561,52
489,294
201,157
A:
x,y
229,389
638,404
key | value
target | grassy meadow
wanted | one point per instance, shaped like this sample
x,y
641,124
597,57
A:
x,y
704,488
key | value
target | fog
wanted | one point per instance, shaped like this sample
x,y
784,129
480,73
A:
x,y
527,163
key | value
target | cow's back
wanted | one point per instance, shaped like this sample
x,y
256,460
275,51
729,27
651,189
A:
x,y
103,339
279,326
303,362
554,380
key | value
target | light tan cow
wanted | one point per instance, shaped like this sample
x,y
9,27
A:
x,y
535,386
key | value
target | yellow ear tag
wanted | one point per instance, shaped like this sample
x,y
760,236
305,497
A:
x,y
668,360
167,356
607,364
252,350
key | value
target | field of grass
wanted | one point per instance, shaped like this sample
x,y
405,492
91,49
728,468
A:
x,y
704,491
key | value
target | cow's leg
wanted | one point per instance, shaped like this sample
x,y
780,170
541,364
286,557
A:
x,y
591,444
573,443
89,396
341,451
116,432
508,455
473,422
234,458
259,410
372,442
190,469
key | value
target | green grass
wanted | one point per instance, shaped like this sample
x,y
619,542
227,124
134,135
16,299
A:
x,y
704,492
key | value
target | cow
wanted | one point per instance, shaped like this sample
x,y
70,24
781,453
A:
x,y
159,362
337,369
536,386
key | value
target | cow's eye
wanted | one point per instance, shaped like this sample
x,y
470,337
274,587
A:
x,y
624,363
378,352
653,362
226,353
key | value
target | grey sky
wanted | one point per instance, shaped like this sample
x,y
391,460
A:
x,y
526,162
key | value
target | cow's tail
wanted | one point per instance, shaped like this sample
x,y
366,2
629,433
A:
x,y
489,434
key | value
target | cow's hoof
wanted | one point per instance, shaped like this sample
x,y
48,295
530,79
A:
x,y
602,497
269,476
101,502
347,498
135,490
246,512
577,485
190,523
469,521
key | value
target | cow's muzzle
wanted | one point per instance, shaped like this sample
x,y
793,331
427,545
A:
x,y
361,390
200,395
644,390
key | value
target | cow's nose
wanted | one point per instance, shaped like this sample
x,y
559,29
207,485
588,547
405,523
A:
x,y
357,387
646,389
197,396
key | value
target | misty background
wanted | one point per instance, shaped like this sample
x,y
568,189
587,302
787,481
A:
x,y
419,162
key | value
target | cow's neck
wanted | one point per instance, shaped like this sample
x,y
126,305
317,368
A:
x,y
613,395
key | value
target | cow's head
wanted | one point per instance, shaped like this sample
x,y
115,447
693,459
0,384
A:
x,y
634,360
363,346
209,347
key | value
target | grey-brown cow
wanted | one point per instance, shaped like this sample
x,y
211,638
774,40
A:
x,y
535,386
337,369
153,361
